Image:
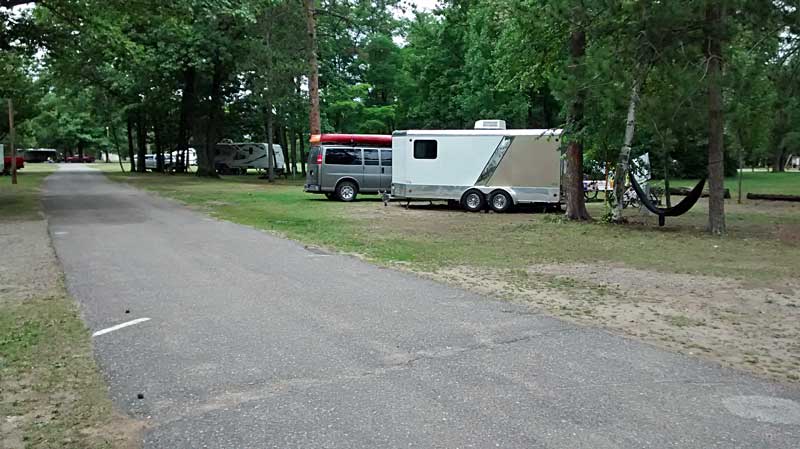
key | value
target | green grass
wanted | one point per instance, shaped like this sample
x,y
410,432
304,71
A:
x,y
50,381
787,183
21,201
431,238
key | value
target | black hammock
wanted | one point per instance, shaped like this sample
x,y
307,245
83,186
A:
x,y
678,209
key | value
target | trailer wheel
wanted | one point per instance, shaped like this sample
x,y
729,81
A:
x,y
500,201
473,201
346,191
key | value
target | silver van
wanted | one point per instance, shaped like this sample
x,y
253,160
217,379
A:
x,y
343,165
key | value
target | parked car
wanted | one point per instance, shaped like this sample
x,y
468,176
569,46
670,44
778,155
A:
x,y
150,161
77,159
171,159
343,165
5,168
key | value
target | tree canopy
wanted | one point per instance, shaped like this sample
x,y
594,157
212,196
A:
x,y
192,72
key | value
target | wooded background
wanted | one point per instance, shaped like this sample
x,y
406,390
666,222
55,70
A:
x,y
707,79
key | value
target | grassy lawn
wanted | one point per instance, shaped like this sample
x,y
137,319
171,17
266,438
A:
x,y
21,202
51,393
787,183
760,245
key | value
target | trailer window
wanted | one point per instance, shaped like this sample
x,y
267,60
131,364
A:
x,y
343,156
386,158
425,149
370,157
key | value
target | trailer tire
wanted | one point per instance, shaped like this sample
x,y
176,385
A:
x,y
473,200
500,201
346,191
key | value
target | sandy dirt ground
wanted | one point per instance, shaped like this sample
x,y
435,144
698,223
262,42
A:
x,y
748,327
30,272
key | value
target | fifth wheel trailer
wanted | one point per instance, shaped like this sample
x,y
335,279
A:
x,y
478,168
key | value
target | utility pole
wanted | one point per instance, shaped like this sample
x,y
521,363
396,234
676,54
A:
x,y
11,141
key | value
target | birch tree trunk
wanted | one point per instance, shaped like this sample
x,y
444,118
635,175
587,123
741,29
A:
x,y
716,168
313,75
623,163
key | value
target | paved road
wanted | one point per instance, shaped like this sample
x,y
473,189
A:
x,y
256,342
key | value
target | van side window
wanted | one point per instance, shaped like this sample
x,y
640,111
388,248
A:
x,y
370,157
343,156
386,158
425,149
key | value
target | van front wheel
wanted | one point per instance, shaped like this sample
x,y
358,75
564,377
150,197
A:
x,y
346,191
473,201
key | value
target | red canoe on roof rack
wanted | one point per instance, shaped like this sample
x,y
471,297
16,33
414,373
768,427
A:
x,y
378,140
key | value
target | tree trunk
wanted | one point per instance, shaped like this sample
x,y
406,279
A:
x,y
159,148
80,149
667,195
116,145
777,162
313,75
576,203
287,166
141,142
293,151
12,141
270,157
131,157
205,155
623,164
716,169
301,138
188,101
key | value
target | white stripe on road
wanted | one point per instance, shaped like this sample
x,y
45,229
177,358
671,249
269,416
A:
x,y
120,326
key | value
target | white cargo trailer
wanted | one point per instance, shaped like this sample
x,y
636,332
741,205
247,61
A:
x,y
489,166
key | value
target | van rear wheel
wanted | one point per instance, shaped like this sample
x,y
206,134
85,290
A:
x,y
500,201
346,191
473,201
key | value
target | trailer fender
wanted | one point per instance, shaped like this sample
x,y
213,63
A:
x,y
489,190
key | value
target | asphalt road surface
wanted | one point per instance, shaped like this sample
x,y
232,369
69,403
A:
x,y
257,342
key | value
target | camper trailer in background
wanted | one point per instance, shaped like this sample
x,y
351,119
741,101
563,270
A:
x,y
41,155
489,166
236,158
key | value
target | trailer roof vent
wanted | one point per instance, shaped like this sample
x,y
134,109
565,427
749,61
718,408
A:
x,y
490,124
